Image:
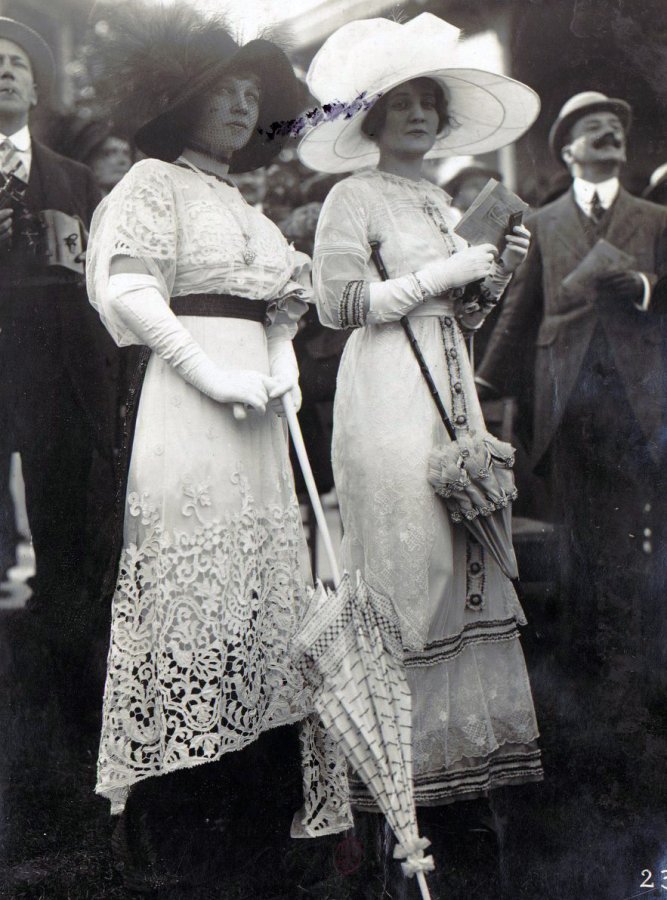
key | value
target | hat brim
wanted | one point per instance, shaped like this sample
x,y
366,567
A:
x,y
561,127
165,136
41,58
488,111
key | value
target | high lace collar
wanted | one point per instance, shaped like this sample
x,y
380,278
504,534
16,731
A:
x,y
401,179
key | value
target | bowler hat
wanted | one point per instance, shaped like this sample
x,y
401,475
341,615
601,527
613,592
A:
x,y
41,58
582,105
366,58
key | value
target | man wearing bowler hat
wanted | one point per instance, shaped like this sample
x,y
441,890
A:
x,y
597,385
56,403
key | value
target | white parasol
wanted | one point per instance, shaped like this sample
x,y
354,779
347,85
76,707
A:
x,y
349,649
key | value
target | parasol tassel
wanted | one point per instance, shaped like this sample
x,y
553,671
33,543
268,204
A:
x,y
412,852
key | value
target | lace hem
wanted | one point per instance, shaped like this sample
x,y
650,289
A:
x,y
198,663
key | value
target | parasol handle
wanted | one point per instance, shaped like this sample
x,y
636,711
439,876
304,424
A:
x,y
376,256
423,886
428,378
304,462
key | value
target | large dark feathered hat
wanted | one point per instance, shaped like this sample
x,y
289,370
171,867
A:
x,y
156,64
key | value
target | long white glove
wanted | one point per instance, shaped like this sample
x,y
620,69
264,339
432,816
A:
x,y
392,299
137,300
284,369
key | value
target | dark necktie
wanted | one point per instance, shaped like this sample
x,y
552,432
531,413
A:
x,y
10,161
597,209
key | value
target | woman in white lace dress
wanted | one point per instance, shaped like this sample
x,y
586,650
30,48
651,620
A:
x,y
474,726
211,583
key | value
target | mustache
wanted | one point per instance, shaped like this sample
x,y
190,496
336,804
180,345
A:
x,y
608,139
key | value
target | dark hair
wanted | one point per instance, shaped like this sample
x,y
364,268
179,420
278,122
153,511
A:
x,y
376,117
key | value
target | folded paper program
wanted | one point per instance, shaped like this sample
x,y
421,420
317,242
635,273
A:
x,y
602,259
490,216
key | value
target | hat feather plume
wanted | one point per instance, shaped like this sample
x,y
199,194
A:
x,y
142,54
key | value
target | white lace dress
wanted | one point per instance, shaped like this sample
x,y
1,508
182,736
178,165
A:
x,y
213,576
474,724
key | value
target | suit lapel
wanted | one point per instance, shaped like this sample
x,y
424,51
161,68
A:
x,y
626,221
48,186
567,228
34,196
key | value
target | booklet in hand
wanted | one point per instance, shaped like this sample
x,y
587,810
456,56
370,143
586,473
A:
x,y
492,215
602,259
63,240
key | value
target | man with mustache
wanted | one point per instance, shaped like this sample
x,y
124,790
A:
x,y
597,394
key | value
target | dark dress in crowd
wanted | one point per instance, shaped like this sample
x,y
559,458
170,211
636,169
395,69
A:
x,y
597,391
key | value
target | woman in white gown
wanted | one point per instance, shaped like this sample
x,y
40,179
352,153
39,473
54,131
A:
x,y
474,726
211,583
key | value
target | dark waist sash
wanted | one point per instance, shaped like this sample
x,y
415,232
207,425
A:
x,y
219,306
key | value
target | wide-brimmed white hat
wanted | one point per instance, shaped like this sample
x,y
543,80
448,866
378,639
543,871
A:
x,y
369,57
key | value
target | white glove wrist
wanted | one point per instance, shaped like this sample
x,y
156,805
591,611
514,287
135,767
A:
x,y
136,300
284,370
391,300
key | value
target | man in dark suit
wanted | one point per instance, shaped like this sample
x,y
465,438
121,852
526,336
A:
x,y
57,399
597,386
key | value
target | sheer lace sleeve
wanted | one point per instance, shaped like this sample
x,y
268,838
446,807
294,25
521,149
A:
x,y
292,303
340,258
137,219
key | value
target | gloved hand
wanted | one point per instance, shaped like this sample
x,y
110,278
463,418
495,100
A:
x,y
391,300
457,270
137,301
621,288
516,249
284,369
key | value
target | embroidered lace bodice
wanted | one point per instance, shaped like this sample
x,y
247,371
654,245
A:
x,y
193,233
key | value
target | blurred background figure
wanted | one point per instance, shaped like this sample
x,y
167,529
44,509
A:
x,y
252,186
656,190
283,189
109,158
467,183
96,143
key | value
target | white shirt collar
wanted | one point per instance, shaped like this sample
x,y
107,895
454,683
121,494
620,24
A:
x,y
20,139
584,190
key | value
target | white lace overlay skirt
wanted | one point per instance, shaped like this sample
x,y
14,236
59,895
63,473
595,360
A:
x,y
212,581
474,724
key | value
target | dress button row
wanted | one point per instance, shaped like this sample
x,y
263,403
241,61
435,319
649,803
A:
x,y
461,420
448,321
475,568
458,387
475,601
